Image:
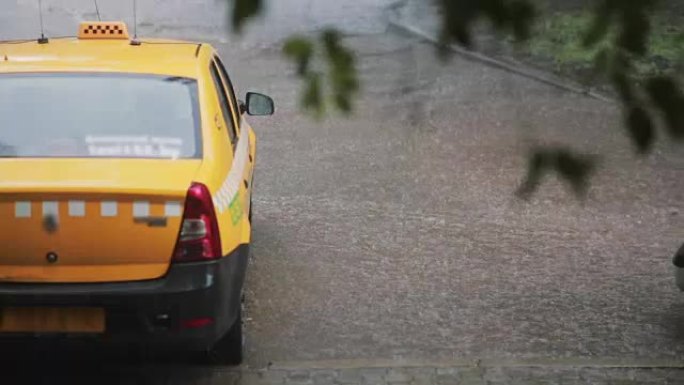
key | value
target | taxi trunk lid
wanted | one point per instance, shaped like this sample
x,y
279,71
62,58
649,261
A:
x,y
100,220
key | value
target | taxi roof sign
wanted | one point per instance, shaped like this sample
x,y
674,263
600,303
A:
x,y
98,30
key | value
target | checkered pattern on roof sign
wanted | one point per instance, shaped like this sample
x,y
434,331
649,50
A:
x,y
103,30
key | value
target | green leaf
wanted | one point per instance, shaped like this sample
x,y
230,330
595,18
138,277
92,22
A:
x,y
522,14
669,99
641,129
243,10
457,16
574,168
342,70
537,166
634,31
312,99
300,50
599,27
623,86
602,61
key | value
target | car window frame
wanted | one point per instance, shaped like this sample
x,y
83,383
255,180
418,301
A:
x,y
231,90
224,103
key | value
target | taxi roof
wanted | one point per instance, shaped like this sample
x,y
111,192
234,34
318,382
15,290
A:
x,y
152,56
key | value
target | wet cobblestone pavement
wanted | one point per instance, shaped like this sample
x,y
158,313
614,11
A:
x,y
393,236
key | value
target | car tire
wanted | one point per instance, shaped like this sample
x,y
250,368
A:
x,y
228,350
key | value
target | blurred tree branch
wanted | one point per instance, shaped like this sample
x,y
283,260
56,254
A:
x,y
243,10
341,75
624,24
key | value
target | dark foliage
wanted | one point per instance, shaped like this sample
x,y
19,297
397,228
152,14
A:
x,y
341,73
572,167
243,10
630,20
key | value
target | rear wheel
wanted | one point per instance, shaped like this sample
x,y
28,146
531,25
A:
x,y
228,350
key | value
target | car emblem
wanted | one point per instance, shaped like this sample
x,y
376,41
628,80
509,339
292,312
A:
x,y
50,223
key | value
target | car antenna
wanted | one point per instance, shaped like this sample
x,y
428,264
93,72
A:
x,y
135,40
97,11
42,39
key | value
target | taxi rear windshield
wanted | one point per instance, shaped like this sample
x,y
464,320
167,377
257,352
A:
x,y
98,115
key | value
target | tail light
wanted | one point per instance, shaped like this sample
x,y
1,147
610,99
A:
x,y
199,235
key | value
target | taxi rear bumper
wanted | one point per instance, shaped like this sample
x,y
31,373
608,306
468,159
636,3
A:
x,y
191,307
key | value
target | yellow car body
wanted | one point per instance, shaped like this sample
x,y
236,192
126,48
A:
x,y
94,212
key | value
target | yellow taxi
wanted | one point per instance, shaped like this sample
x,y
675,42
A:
x,y
125,191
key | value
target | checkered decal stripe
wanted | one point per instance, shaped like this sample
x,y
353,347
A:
x,y
77,208
103,30
231,185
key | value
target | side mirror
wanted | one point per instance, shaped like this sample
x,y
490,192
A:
x,y
259,104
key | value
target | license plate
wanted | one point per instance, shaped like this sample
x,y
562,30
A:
x,y
52,320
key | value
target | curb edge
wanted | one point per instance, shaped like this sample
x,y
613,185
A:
x,y
566,85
